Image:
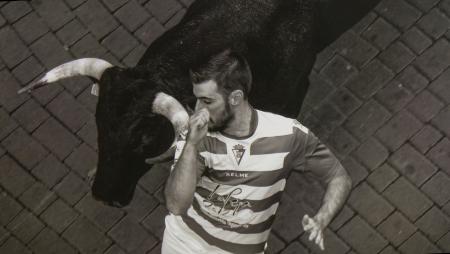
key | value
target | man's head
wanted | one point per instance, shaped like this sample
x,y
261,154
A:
x,y
220,85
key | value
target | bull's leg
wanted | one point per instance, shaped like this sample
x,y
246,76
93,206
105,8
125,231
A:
x,y
292,55
337,16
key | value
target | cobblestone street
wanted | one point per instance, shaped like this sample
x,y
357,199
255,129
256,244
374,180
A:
x,y
379,97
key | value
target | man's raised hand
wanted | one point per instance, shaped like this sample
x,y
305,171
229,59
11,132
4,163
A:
x,y
198,126
315,230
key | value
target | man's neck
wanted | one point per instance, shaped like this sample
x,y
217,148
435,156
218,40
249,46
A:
x,y
241,124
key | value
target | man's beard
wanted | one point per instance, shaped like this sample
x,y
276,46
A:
x,y
223,122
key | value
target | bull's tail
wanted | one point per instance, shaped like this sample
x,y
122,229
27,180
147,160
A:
x,y
338,16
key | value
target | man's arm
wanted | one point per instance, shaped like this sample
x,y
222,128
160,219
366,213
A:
x,y
182,181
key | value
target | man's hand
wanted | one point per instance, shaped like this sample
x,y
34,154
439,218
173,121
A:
x,y
315,230
198,126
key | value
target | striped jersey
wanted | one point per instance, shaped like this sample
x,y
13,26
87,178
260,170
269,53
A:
x,y
240,189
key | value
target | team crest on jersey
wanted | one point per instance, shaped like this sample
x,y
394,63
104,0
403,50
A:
x,y
238,151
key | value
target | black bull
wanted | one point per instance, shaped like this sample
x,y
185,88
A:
x,y
279,38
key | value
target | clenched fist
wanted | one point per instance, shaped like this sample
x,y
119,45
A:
x,y
198,126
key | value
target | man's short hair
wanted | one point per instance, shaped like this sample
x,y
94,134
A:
x,y
228,69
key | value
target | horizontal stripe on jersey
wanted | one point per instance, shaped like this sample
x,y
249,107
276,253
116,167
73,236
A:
x,y
251,178
259,162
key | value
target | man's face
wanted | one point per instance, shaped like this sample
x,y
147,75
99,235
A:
x,y
209,97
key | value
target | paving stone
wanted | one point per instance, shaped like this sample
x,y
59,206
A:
x,y
114,4
10,208
46,93
367,119
28,70
435,23
374,76
37,198
440,155
426,138
71,32
444,242
50,51
435,59
141,205
2,20
320,88
101,215
434,224
394,96
344,215
4,234
129,234
50,171
76,85
56,138
86,237
442,121
368,204
71,188
155,177
381,33
155,221
74,3
338,70
398,130
389,250
399,13
24,148
132,15
150,31
54,12
446,208
418,244
294,248
324,56
345,101
87,46
438,188
134,56
82,160
120,42
156,249
30,28
59,215
330,117
100,22
12,49
175,19
397,56
424,5
13,177
67,109
15,10
115,249
412,79
88,100
88,134
30,115
332,243
274,244
356,171
410,163
440,86
407,198
396,228
48,242
371,153
425,106
416,40
287,222
163,9
8,124
361,236
341,142
382,176
25,226
13,246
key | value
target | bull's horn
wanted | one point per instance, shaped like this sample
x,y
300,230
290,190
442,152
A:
x,y
92,67
172,109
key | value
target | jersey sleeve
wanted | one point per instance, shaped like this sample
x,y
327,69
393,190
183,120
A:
x,y
311,155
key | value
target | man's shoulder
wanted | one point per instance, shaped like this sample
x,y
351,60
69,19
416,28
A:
x,y
279,124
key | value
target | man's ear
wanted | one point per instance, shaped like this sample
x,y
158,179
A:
x,y
236,97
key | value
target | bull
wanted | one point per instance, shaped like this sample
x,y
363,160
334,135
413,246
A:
x,y
141,110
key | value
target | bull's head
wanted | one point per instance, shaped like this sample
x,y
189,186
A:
x,y
135,120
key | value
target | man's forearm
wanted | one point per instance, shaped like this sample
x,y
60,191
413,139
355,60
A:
x,y
337,191
182,181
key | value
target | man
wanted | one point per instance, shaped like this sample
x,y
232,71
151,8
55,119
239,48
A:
x,y
231,168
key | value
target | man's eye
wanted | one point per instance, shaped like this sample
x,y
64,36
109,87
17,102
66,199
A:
x,y
207,102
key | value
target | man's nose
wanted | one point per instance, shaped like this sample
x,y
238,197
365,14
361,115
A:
x,y
199,105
